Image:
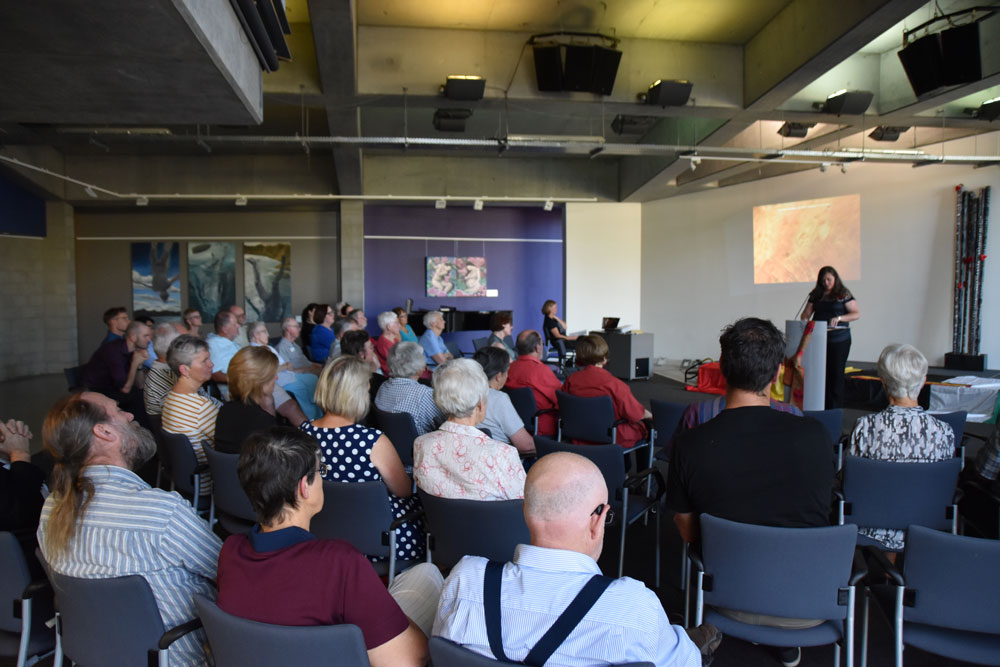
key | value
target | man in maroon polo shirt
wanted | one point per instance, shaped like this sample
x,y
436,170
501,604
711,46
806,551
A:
x,y
282,574
113,370
529,371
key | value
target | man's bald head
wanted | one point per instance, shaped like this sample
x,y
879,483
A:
x,y
528,343
561,492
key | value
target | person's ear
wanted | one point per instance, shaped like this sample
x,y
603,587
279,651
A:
x,y
304,490
105,432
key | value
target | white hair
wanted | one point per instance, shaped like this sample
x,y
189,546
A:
x,y
287,322
163,336
459,386
431,316
386,318
903,369
406,359
252,329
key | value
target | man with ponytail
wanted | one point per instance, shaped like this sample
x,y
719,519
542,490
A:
x,y
101,520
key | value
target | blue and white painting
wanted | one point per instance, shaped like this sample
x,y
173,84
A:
x,y
267,281
211,277
156,279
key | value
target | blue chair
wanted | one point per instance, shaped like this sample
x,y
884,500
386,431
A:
x,y
833,421
479,343
457,527
446,653
238,642
523,400
883,494
401,431
625,493
666,417
185,470
956,420
945,601
230,505
26,605
807,573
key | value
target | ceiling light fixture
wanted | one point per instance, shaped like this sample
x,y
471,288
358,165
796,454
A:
x,y
846,102
822,167
440,204
887,133
989,110
451,120
241,201
548,205
466,87
478,205
843,168
142,201
667,93
90,192
795,130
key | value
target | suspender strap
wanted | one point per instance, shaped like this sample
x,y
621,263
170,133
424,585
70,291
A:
x,y
491,607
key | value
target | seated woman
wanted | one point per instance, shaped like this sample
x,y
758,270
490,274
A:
x,y
593,380
300,385
501,418
500,325
355,453
252,373
307,325
186,409
357,343
389,324
902,432
554,329
458,460
403,393
190,322
321,337
405,330
159,379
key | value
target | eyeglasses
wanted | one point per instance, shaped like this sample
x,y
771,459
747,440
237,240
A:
x,y
609,517
323,469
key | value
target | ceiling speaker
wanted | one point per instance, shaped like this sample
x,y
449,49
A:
x,y
548,68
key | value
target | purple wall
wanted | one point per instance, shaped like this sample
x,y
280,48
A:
x,y
526,273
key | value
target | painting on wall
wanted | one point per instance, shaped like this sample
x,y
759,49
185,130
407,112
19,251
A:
x,y
156,279
456,276
211,277
267,281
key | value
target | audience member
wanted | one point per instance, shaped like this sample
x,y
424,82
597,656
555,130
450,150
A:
x,y
903,432
389,324
252,374
280,573
190,322
287,348
102,520
358,317
221,344
114,367
242,339
300,385
501,418
501,324
555,329
405,330
151,354
321,339
529,371
458,460
21,483
355,453
307,325
430,340
341,326
593,380
531,593
116,320
160,379
343,309
357,343
403,393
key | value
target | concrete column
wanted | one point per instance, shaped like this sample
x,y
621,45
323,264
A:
x,y
352,252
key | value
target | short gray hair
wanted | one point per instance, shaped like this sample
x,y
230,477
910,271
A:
x,y
287,322
459,386
163,336
182,351
406,359
903,369
430,316
386,318
252,328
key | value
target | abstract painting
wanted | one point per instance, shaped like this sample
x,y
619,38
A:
x,y
156,289
267,281
211,277
456,276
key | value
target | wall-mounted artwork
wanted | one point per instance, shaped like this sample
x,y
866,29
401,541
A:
x,y
156,279
267,281
211,277
456,276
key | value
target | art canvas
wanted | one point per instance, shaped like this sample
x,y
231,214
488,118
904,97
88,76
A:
x,y
211,277
156,288
267,281
456,276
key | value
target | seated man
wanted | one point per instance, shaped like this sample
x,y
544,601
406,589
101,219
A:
x,y
101,520
402,393
434,348
529,371
116,320
566,509
113,369
241,339
752,464
358,343
290,350
280,573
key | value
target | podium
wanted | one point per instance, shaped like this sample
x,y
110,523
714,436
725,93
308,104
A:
x,y
813,361
630,355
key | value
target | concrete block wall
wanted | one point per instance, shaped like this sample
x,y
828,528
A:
x,y
38,326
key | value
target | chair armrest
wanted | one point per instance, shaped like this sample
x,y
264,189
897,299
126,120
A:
x,y
201,469
175,633
883,566
694,555
637,479
409,516
36,587
859,569
546,411
637,446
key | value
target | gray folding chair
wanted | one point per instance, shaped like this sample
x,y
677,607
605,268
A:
x,y
457,528
230,505
26,605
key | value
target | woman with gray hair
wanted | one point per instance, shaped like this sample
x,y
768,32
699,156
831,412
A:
x,y
403,393
159,377
902,432
389,323
458,460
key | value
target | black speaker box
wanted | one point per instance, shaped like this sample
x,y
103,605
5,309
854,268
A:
x,y
960,48
923,63
548,68
578,73
959,361
605,70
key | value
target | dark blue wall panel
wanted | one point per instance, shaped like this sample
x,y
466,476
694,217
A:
x,y
21,213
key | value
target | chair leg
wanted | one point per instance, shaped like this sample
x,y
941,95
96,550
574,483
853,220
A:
x,y
836,654
864,628
22,651
699,608
57,659
211,512
686,585
392,556
849,635
897,623
621,544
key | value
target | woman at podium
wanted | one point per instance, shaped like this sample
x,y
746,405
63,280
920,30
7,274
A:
x,y
834,304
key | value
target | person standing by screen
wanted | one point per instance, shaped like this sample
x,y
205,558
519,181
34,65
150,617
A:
x,y
834,304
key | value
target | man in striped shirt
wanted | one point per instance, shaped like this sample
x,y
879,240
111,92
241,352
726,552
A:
x,y
101,520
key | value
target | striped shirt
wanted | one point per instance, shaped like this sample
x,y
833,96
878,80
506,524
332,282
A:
x,y
192,415
627,624
408,395
129,528
159,380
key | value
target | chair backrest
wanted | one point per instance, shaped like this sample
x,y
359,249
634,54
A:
x,y
523,400
107,621
832,420
956,420
609,458
74,377
155,422
237,641
182,459
479,343
490,528
748,573
955,579
401,431
666,416
226,489
588,419
883,494
453,347
15,579
356,512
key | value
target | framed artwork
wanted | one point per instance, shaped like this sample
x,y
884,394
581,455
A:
x,y
456,276
211,277
267,281
156,289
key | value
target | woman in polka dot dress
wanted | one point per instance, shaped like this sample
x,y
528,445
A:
x,y
356,453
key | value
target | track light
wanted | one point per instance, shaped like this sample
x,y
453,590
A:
x,y
846,102
90,192
989,110
795,130
478,205
141,201
468,87
822,167
667,93
548,205
241,201
887,133
440,203
843,168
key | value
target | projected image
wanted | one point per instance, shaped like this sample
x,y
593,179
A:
x,y
791,241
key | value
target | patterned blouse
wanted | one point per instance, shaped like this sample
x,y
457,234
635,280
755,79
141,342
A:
x,y
458,461
901,435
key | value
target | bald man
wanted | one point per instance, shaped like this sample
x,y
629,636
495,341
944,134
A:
x,y
566,509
